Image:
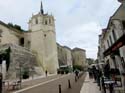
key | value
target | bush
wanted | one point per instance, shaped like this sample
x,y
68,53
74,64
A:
x,y
25,74
78,67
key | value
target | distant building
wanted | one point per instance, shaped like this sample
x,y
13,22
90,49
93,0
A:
x,y
64,56
79,57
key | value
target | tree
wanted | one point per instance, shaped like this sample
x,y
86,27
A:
x,y
17,27
90,61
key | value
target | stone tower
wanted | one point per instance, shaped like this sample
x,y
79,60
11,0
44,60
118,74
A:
x,y
43,40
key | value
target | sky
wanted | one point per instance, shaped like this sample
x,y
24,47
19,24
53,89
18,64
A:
x,y
78,22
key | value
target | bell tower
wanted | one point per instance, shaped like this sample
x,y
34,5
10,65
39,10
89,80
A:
x,y
43,40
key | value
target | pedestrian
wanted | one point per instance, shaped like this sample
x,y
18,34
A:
x,y
107,70
94,71
46,72
76,74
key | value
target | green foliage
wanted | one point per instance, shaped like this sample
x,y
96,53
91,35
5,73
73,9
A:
x,y
78,67
15,26
90,61
25,73
10,24
65,70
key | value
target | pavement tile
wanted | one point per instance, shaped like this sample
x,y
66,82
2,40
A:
x,y
89,86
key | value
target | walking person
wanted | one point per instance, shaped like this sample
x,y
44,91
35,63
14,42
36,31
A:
x,y
46,72
76,75
94,71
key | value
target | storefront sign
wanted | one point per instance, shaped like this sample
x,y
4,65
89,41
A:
x,y
119,43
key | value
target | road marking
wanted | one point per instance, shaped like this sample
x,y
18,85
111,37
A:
x,y
39,84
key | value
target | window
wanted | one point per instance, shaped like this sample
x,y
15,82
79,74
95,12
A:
x,y
114,35
36,21
1,32
49,21
28,44
123,24
44,35
21,41
108,43
45,22
110,40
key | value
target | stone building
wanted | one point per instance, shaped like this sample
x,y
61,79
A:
x,y
79,57
38,44
64,56
113,40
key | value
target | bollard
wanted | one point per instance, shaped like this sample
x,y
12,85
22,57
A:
x,y
1,82
69,84
59,88
75,79
103,85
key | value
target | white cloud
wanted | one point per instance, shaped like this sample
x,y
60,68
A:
x,y
78,22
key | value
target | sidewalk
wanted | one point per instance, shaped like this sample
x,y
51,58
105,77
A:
x,y
30,82
89,86
76,86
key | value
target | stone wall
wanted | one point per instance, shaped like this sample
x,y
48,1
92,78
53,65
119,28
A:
x,y
20,59
64,55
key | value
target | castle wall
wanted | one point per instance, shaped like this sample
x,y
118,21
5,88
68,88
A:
x,y
20,59
9,35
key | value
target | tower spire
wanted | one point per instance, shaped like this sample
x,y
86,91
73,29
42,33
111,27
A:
x,y
41,8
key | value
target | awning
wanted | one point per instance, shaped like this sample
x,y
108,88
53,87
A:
x,y
119,43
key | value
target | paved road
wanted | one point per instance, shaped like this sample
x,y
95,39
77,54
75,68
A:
x,y
49,86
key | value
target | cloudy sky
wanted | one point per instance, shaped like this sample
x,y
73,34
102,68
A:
x,y
78,22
